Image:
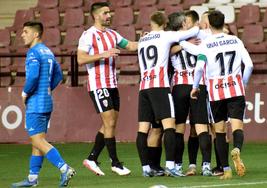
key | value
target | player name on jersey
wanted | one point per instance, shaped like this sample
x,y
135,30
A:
x,y
149,37
221,43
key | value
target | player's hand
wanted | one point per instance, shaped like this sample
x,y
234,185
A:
x,y
144,33
113,52
24,99
194,41
194,93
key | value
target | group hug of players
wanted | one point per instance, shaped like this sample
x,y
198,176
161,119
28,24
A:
x,y
207,85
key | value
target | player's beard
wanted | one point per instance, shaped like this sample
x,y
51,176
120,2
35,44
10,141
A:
x,y
107,23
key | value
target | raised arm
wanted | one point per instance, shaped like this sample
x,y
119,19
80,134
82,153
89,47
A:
x,y
183,35
190,48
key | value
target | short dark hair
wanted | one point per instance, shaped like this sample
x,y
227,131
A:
x,y
176,20
216,19
38,26
159,18
98,5
193,15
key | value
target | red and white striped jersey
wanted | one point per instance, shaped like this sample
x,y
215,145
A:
x,y
184,64
153,55
222,56
102,73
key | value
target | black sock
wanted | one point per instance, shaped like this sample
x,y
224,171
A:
x,y
154,156
170,144
205,146
98,147
192,146
111,146
218,163
179,148
238,136
222,149
141,144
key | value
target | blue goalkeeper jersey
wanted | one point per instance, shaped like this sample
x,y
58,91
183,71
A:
x,y
43,74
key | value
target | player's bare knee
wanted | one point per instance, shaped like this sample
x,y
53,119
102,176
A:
x,y
154,139
236,124
200,128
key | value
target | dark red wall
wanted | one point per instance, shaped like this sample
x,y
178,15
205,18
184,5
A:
x,y
74,118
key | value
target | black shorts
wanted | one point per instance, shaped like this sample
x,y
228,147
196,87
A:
x,y
155,104
184,105
228,108
156,125
106,99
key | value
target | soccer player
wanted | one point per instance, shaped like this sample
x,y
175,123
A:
x,y
184,64
155,100
97,50
204,32
221,58
43,74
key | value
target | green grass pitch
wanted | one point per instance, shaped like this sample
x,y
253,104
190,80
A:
x,y
14,167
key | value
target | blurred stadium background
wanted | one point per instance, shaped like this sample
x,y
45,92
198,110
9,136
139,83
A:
x,y
65,20
74,115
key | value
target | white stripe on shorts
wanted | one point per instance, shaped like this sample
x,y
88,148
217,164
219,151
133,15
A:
x,y
171,105
97,101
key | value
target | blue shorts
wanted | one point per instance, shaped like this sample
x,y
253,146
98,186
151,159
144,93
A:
x,y
37,123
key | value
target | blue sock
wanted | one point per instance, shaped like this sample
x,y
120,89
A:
x,y
54,157
36,164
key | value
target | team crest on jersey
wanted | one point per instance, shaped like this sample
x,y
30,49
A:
x,y
105,103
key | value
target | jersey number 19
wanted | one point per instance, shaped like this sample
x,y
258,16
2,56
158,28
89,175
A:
x,y
150,53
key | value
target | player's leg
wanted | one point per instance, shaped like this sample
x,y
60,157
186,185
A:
x,y
109,119
36,125
222,148
54,157
192,147
181,98
179,137
220,114
36,161
155,148
98,145
205,148
218,169
142,148
98,97
145,117
170,147
91,161
163,109
201,121
236,108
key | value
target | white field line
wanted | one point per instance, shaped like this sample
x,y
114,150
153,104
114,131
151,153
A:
x,y
225,185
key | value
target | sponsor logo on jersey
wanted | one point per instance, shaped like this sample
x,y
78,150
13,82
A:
x,y
225,85
150,77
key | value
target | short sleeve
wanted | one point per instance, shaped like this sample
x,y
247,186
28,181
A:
x,y
85,42
119,38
